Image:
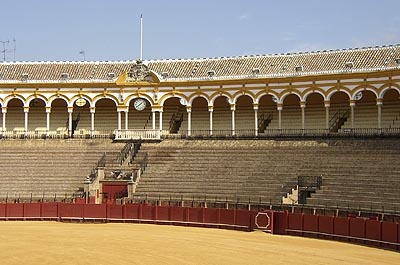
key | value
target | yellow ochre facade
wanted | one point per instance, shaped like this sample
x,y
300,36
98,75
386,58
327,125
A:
x,y
313,93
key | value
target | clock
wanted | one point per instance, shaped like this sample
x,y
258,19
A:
x,y
139,104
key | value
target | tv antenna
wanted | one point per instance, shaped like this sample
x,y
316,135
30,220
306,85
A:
x,y
6,50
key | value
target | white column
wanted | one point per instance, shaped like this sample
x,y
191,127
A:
x,y
153,120
210,110
4,110
127,120
48,110
189,120
70,110
26,112
279,107
161,121
303,114
255,107
327,104
119,120
352,106
379,102
233,108
92,112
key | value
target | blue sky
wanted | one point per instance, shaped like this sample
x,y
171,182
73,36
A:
x,y
109,29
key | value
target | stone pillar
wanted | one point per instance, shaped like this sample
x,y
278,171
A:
x,y
352,106
26,112
92,112
303,114
379,102
233,108
161,121
48,111
119,120
127,120
210,110
3,130
327,105
255,107
153,119
70,111
189,119
279,107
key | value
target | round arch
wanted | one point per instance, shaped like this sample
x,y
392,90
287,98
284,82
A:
x,y
261,94
15,113
55,97
387,87
172,95
281,99
72,100
241,94
220,94
244,114
313,91
364,88
200,119
128,100
33,97
11,97
315,112
333,91
106,116
198,95
108,96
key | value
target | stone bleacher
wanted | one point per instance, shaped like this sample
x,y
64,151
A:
x,y
359,173
46,168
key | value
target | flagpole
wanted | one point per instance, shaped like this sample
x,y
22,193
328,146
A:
x,y
141,37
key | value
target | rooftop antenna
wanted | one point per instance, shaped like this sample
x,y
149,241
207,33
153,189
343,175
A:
x,y
4,50
141,37
82,52
15,47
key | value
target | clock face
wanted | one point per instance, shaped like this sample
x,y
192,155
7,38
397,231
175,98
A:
x,y
139,104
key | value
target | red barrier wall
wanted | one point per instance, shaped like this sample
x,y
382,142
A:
x,y
162,213
389,233
2,210
325,225
178,214
357,228
71,210
195,215
114,211
211,215
32,210
15,210
310,222
95,211
280,223
341,226
373,229
372,232
132,211
50,210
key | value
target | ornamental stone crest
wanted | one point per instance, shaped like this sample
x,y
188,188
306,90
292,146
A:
x,y
139,73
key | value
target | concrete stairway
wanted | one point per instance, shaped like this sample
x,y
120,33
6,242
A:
x,y
355,172
48,167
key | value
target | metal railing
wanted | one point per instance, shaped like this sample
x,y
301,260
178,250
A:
x,y
263,204
137,134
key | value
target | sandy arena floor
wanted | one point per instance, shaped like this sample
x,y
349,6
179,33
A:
x,y
64,243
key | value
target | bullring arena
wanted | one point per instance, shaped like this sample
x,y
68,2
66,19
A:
x,y
230,160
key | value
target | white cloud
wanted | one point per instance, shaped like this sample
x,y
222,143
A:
x,y
243,16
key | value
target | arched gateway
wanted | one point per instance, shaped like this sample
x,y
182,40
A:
x,y
317,93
